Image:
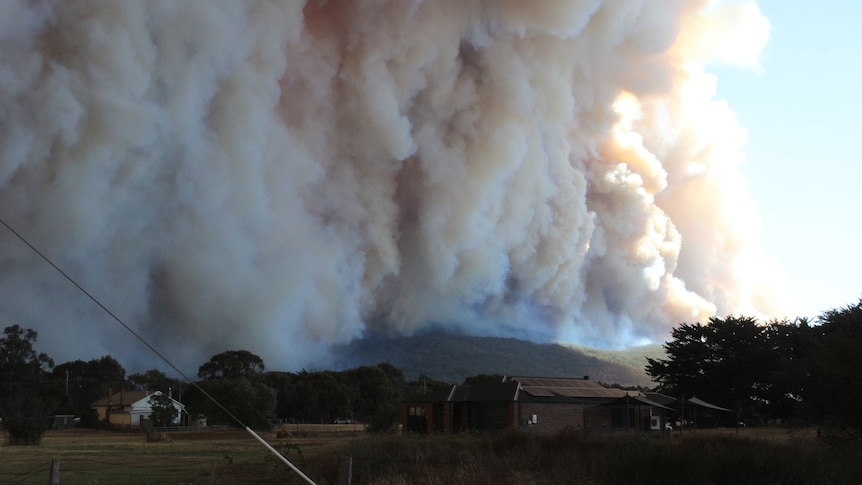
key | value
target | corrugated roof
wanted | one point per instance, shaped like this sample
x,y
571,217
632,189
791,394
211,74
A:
x,y
701,403
127,397
660,398
635,400
566,387
525,388
485,391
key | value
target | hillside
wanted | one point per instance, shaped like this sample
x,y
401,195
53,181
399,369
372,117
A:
x,y
452,358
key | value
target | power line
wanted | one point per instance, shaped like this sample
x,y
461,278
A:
x,y
153,349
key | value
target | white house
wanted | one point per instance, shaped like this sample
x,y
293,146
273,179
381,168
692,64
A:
x,y
131,408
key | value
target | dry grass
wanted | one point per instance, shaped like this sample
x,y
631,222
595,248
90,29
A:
x,y
93,457
754,455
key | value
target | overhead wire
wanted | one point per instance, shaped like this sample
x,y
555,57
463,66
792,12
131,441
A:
x,y
152,348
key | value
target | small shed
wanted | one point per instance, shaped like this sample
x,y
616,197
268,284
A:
x,y
62,421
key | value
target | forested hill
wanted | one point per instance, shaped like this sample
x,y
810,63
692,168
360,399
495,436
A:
x,y
452,358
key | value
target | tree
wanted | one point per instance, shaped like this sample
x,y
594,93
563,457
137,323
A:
x,y
84,382
163,411
231,364
480,378
285,392
153,380
682,371
26,398
235,379
251,402
318,397
833,384
791,344
726,361
371,396
425,384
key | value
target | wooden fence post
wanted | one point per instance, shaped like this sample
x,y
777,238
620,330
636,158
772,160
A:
x,y
55,472
345,471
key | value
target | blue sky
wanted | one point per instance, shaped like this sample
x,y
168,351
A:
x,y
804,155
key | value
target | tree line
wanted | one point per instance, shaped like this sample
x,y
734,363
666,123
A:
x,y
233,388
782,371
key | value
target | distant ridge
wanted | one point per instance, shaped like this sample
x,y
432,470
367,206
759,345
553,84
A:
x,y
451,358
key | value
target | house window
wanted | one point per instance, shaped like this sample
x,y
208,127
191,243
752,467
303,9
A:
x,y
417,419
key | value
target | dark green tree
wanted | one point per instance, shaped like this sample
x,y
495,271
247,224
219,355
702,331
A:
x,y
396,377
285,392
480,378
791,344
163,411
318,397
252,402
682,372
235,379
833,385
26,394
425,384
727,361
371,396
84,382
153,380
231,364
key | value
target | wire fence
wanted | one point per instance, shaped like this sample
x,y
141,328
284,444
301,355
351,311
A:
x,y
91,471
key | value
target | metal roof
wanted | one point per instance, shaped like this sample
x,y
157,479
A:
x,y
703,404
123,397
530,388
660,398
566,387
485,391
635,400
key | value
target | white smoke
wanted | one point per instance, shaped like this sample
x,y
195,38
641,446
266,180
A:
x,y
282,177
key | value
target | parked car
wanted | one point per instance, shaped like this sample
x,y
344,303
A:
x,y
341,421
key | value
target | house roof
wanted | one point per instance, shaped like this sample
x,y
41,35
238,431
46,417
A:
x,y
635,400
566,387
703,404
527,389
124,397
131,397
660,398
674,403
485,391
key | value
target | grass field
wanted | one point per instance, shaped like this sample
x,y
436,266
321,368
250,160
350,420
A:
x,y
755,455
110,457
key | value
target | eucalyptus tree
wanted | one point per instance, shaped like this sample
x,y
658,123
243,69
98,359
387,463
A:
x,y
27,396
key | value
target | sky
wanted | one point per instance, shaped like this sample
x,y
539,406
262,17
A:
x,y
804,161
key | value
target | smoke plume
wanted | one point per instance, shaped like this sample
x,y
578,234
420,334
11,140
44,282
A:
x,y
284,176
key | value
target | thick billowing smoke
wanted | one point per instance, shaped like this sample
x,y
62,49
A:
x,y
282,176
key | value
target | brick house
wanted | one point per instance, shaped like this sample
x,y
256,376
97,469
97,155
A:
x,y
131,408
540,404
